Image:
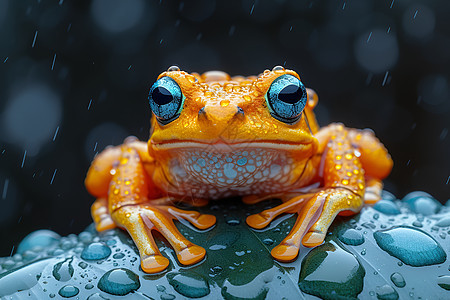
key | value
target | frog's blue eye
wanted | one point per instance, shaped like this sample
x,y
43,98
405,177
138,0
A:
x,y
166,100
286,98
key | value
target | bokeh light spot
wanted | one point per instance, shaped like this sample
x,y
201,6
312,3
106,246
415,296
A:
x,y
434,93
376,51
116,16
31,116
419,21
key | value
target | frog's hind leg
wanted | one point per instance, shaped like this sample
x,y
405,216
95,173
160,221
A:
x,y
99,175
101,216
133,220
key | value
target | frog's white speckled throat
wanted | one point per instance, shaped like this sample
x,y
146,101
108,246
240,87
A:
x,y
213,173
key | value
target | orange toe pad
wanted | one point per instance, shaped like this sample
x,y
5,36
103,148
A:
x,y
313,239
154,263
205,221
191,255
285,253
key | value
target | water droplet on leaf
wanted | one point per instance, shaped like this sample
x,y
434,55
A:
x,y
412,246
351,237
68,291
119,282
95,251
329,271
189,284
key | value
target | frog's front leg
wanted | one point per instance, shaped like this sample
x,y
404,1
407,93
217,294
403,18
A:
x,y
342,191
132,205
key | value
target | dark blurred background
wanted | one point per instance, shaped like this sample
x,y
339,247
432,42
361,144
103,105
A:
x,y
74,77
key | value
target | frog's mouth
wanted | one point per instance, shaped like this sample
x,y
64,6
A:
x,y
222,146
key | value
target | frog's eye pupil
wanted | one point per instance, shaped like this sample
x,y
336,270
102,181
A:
x,y
290,94
161,95
166,100
286,98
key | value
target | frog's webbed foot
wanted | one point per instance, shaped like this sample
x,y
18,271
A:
x,y
335,201
140,219
316,212
262,219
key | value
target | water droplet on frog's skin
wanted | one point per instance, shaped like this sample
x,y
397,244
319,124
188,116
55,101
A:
x,y
444,282
386,207
68,291
190,285
412,246
398,279
330,272
63,271
386,292
278,69
173,69
95,251
119,282
351,237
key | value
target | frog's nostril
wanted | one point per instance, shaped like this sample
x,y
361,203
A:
x,y
240,112
201,112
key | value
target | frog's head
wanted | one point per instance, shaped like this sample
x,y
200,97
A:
x,y
200,120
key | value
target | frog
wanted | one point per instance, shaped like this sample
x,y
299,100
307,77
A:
x,y
214,136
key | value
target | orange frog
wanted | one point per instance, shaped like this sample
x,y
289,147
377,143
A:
x,y
214,136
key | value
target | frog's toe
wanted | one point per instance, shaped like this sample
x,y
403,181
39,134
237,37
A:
x,y
154,263
197,219
285,253
105,224
191,255
258,221
205,221
313,238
